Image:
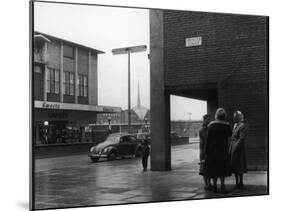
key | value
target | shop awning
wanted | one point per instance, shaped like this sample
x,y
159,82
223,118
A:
x,y
76,107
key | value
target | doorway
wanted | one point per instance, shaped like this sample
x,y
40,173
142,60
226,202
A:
x,y
185,122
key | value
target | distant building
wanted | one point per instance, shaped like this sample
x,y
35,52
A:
x,y
65,90
139,114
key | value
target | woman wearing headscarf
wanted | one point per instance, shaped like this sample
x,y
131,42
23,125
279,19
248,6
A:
x,y
217,149
237,149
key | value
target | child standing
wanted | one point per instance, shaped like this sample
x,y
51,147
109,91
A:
x,y
145,154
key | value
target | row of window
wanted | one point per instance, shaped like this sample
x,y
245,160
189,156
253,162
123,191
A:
x,y
53,83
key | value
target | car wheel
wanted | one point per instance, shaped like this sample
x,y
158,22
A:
x,y
112,156
138,152
95,159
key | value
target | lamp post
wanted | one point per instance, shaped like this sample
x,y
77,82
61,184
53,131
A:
x,y
128,51
45,131
189,125
145,124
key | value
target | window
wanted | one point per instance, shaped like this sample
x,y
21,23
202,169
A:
x,y
68,83
68,51
53,81
83,85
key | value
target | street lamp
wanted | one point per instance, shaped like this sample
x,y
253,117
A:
x,y
145,124
45,131
128,51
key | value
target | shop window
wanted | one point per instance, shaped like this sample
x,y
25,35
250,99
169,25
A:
x,y
53,81
68,83
83,85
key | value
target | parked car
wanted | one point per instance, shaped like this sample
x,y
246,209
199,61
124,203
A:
x,y
174,136
142,136
116,145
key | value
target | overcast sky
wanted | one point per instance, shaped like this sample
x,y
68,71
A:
x,y
105,28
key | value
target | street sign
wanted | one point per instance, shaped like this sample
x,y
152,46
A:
x,y
193,41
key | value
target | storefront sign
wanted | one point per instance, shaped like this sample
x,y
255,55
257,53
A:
x,y
193,41
50,105
106,109
77,107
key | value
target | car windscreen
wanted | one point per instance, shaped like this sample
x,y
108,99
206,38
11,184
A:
x,y
112,139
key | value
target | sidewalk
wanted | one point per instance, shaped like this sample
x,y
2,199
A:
x,y
178,184
75,181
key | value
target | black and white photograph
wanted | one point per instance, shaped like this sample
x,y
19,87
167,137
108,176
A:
x,y
142,105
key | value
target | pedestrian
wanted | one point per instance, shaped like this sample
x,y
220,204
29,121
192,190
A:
x,y
238,160
202,146
145,154
217,149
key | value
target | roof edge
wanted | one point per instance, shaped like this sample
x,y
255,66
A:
x,y
70,42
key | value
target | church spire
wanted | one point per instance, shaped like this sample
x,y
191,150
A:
x,y
139,103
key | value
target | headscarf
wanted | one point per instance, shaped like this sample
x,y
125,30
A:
x,y
239,115
220,113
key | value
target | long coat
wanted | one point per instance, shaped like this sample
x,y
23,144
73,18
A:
x,y
217,150
238,161
203,140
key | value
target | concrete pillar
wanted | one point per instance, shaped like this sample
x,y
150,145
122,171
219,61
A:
x,y
61,71
76,88
45,69
160,102
89,77
212,105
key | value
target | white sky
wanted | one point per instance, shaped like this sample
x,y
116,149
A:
x,y
105,28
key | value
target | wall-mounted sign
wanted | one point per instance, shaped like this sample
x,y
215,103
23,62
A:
x,y
106,109
77,107
193,41
51,105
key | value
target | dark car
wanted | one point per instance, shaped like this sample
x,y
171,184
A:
x,y
116,145
143,136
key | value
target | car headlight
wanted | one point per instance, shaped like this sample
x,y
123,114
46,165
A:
x,y
92,149
105,150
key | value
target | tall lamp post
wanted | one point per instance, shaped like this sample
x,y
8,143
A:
x,y
128,51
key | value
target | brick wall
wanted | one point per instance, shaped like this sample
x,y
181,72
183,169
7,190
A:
x,y
232,57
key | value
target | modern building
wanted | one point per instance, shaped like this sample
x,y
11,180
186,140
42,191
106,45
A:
x,y
218,58
65,90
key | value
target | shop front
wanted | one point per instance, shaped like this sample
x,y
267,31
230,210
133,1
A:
x,y
63,124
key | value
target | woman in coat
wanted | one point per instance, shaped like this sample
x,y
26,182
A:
x,y
202,146
217,149
237,149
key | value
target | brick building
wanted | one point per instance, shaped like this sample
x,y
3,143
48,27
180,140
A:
x,y
219,58
65,90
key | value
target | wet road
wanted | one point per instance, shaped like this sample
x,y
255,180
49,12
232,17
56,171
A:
x,y
76,181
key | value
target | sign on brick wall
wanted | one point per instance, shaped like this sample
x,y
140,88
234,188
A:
x,y
193,41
